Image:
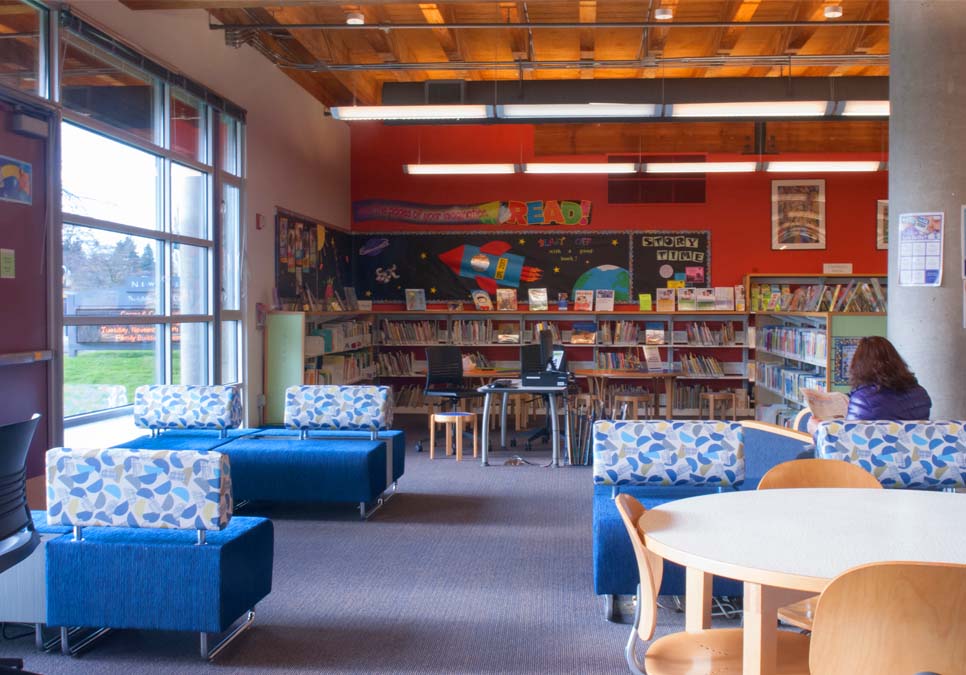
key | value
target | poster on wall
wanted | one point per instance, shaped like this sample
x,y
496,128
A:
x,y
921,249
680,257
882,224
451,265
312,260
513,213
843,349
797,214
15,181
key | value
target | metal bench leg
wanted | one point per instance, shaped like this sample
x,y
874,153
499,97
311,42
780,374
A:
x,y
228,639
83,645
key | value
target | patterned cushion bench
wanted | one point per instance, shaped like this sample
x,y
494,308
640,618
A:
x,y
154,545
924,455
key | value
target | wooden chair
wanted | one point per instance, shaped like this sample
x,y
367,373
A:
x,y
726,398
813,473
892,618
634,401
706,651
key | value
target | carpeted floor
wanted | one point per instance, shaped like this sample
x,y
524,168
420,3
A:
x,y
466,570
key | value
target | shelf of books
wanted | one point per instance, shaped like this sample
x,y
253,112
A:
x,y
848,293
806,350
314,348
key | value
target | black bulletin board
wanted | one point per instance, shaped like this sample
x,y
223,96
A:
x,y
660,256
450,265
310,254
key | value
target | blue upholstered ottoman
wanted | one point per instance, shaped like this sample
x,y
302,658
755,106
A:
x,y
159,579
311,470
395,440
186,439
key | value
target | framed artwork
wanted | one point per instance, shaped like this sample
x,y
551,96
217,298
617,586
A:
x,y
843,349
797,214
882,224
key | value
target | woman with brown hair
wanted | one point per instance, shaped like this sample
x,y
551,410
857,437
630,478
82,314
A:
x,y
883,387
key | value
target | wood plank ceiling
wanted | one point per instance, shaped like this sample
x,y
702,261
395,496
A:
x,y
415,42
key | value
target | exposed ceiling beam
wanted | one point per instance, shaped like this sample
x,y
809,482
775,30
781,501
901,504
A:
x,y
588,15
561,25
447,39
243,4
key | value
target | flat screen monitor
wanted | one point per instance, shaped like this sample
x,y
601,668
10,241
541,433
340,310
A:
x,y
558,360
530,361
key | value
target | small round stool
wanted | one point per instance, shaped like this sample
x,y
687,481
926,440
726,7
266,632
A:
x,y
452,422
634,401
728,398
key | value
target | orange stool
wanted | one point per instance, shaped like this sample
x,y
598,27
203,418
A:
x,y
728,398
452,422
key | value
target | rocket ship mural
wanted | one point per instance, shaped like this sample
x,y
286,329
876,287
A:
x,y
490,265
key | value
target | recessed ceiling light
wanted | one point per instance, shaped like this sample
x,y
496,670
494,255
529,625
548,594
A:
x,y
833,11
663,13
355,18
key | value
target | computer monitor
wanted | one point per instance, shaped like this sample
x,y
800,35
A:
x,y
558,359
545,340
530,361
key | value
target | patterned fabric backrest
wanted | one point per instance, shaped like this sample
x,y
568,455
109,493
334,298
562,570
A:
x,y
900,454
119,487
187,406
669,453
329,406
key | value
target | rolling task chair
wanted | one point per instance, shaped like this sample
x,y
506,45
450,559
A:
x,y
18,538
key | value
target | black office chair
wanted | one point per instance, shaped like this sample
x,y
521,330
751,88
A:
x,y
18,538
444,378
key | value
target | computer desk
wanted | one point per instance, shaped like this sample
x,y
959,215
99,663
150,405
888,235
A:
x,y
516,388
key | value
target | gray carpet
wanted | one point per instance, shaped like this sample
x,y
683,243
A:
x,y
466,570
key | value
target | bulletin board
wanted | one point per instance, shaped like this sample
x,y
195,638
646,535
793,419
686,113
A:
x,y
310,254
661,256
450,265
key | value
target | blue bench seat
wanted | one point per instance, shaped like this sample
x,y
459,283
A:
x,y
186,439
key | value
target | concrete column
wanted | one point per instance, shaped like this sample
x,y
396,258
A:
x,y
927,172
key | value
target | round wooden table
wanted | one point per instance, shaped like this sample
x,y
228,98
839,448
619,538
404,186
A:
x,y
788,544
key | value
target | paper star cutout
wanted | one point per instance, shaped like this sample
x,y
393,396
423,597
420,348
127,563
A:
x,y
368,294
423,256
613,242
432,291
522,241
556,270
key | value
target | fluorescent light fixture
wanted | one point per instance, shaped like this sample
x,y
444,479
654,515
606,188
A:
x,y
457,169
355,19
701,167
832,11
751,109
866,109
578,167
663,13
554,110
821,167
411,112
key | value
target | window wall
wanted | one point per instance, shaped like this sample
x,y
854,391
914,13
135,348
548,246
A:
x,y
151,201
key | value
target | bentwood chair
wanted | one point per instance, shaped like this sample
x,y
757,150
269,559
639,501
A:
x,y
813,473
18,538
892,618
707,651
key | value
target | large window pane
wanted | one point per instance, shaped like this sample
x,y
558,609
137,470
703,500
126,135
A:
x,y
110,274
230,352
231,250
189,353
189,202
108,180
104,364
103,88
230,131
189,279
187,124
20,44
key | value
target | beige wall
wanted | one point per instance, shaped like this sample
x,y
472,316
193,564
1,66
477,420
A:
x,y
296,158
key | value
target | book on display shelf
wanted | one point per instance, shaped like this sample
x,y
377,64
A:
x,y
538,299
506,299
583,301
482,301
644,303
416,299
686,300
605,300
704,299
724,298
665,299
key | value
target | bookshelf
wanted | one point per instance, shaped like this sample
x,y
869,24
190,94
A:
x,y
313,348
798,350
711,347
838,293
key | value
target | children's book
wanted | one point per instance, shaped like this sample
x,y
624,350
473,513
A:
x,y
605,300
584,333
665,299
561,302
482,301
654,333
644,302
704,299
583,301
740,298
686,301
652,357
724,298
538,299
416,299
506,299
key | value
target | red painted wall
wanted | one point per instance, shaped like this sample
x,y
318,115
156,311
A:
x,y
737,210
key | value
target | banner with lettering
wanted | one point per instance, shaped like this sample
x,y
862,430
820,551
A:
x,y
682,256
513,213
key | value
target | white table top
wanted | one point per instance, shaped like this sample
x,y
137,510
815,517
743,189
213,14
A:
x,y
801,539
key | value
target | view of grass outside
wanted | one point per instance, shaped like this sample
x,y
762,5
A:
x,y
100,379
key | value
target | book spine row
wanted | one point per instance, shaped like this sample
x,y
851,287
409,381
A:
x,y
340,369
337,337
697,364
396,363
403,332
789,381
471,332
804,343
